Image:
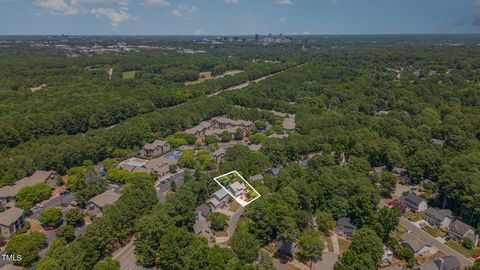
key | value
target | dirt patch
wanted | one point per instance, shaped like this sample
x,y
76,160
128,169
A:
x,y
221,234
234,206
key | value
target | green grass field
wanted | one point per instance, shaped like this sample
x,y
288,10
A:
x,y
128,74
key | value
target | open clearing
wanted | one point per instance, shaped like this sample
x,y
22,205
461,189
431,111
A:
x,y
207,75
129,74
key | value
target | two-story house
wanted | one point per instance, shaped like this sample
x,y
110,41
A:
x,y
11,220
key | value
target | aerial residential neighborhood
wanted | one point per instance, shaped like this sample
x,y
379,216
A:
x,y
239,135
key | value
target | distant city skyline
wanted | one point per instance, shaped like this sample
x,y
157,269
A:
x,y
238,17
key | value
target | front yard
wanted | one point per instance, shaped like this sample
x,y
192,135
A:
x,y
413,216
435,232
465,252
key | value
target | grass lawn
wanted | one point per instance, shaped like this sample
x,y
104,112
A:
x,y
458,247
128,74
435,232
343,244
412,216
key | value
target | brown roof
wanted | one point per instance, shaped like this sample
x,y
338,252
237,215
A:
x,y
155,144
106,198
36,178
160,165
10,216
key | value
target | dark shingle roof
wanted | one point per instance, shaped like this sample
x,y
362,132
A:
x,y
414,198
460,227
447,263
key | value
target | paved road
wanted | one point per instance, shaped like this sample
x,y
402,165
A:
x,y
427,238
126,257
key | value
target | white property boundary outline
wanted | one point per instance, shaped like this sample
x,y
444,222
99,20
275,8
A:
x,y
241,202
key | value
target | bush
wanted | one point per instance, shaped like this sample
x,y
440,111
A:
x,y
66,232
467,243
51,217
74,217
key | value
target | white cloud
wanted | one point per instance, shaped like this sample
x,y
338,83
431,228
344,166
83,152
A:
x,y
176,12
115,17
57,7
234,2
7,1
157,3
199,32
283,19
181,9
116,11
285,2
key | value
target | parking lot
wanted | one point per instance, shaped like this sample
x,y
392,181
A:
x,y
62,200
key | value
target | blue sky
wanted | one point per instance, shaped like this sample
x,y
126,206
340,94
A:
x,y
217,17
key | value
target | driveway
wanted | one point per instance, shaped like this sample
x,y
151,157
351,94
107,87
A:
x,y
427,238
232,223
328,261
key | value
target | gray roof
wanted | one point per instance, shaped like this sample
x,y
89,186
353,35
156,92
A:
x,y
105,198
289,123
36,178
447,263
10,216
303,162
219,152
274,171
203,209
414,243
220,194
256,177
345,221
427,266
439,213
278,136
438,142
460,227
378,169
413,198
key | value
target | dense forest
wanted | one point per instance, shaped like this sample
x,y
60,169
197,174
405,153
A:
x,y
357,107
